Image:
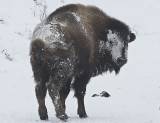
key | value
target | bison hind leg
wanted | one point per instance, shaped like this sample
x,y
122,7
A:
x,y
54,92
41,90
64,92
59,86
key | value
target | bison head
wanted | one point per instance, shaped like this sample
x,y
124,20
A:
x,y
117,47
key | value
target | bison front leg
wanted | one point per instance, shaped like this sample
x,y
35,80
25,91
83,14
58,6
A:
x,y
80,90
41,90
81,107
54,92
64,92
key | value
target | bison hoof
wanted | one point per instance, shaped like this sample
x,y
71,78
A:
x,y
83,115
43,113
63,117
44,117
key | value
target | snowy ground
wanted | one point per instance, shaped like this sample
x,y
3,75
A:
x,y
135,92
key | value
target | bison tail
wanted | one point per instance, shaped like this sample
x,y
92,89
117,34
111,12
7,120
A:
x,y
37,52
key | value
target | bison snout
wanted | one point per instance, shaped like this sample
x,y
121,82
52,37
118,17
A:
x,y
121,61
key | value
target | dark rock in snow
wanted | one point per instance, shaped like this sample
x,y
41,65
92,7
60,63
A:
x,y
102,94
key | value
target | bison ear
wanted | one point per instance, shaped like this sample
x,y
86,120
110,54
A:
x,y
132,37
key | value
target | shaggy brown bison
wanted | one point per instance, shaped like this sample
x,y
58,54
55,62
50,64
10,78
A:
x,y
73,44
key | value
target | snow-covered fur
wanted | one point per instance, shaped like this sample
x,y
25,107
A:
x,y
73,44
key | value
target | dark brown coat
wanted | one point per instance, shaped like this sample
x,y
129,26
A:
x,y
75,43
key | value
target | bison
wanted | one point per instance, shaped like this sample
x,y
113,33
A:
x,y
71,45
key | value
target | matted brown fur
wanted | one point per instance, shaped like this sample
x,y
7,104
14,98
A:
x,y
84,49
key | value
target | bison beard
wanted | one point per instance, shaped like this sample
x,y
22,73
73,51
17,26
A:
x,y
75,43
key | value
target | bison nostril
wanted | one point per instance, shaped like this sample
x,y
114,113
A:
x,y
122,60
